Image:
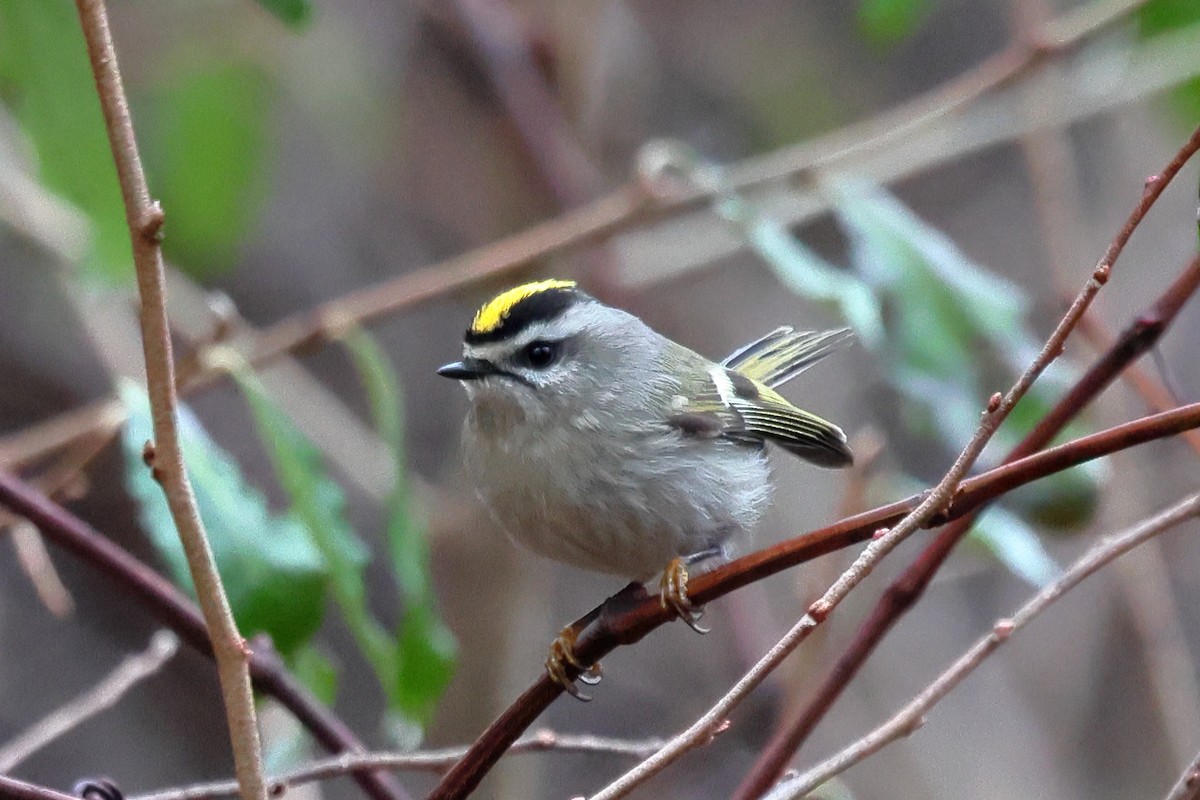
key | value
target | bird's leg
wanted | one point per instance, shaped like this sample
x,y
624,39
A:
x,y
562,658
673,588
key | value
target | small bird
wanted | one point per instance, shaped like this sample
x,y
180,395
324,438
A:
x,y
595,441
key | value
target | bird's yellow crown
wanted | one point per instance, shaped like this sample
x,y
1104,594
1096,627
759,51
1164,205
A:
x,y
492,315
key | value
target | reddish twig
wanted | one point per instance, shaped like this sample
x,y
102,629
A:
x,y
171,608
491,744
13,789
629,615
934,501
909,718
1156,395
904,592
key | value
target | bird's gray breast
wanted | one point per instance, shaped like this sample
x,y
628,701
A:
x,y
609,497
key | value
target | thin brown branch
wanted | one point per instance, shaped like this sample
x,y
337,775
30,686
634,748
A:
x,y
43,438
629,615
168,605
909,718
35,562
936,500
629,206
1056,38
13,789
104,695
63,477
487,749
904,592
1151,389
420,761
145,220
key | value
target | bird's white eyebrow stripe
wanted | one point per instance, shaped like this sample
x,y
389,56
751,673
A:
x,y
492,351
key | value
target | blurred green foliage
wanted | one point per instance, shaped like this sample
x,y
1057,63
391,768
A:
x,y
1166,16
886,22
279,568
293,13
202,133
204,136
47,82
425,650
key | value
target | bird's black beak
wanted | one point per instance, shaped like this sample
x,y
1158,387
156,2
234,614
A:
x,y
466,370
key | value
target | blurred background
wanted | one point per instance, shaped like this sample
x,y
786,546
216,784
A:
x,y
940,175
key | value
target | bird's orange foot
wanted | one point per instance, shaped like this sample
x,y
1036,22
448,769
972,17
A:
x,y
673,595
562,658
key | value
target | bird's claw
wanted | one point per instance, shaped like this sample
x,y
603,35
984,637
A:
x,y
562,658
673,595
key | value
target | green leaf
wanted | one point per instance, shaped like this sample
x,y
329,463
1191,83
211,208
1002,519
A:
x,y
425,649
319,504
948,298
274,577
47,81
886,22
293,13
205,135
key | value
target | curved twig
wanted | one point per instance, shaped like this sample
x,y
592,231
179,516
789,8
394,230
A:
x,y
487,749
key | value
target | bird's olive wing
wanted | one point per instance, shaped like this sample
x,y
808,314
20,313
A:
x,y
733,406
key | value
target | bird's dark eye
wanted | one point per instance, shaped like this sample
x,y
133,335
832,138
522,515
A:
x,y
540,355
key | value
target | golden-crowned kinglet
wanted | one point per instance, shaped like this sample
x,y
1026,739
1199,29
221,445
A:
x,y
598,442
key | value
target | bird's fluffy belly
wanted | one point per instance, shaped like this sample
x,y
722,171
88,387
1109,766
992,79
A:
x,y
624,505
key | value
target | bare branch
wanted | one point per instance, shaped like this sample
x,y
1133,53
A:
x,y
171,608
937,499
464,777
35,562
911,717
102,696
420,761
145,220
905,590
13,789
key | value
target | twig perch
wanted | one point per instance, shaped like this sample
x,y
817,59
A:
x,y
598,639
145,219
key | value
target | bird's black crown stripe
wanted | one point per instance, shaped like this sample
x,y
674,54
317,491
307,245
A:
x,y
542,305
